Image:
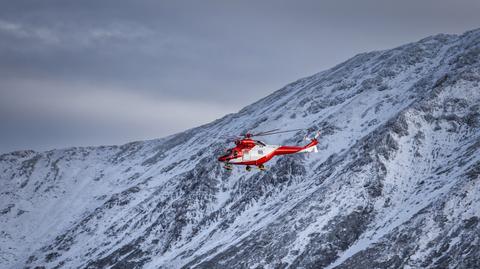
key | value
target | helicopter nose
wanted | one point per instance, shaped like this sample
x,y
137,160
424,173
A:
x,y
221,159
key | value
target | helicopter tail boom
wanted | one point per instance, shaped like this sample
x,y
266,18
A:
x,y
311,147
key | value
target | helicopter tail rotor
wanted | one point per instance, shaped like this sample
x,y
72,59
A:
x,y
317,134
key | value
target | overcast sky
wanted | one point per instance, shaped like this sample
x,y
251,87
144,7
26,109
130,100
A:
x,y
108,72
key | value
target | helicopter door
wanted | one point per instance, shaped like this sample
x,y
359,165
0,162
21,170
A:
x,y
246,155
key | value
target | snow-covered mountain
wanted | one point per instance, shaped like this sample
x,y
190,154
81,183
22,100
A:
x,y
396,183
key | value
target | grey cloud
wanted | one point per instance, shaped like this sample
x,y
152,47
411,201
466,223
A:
x,y
206,53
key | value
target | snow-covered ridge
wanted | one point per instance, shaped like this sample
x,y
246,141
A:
x,y
395,183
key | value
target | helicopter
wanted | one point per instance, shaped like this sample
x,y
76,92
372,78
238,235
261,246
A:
x,y
251,152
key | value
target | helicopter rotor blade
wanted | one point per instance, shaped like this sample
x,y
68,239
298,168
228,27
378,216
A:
x,y
264,132
280,132
231,138
247,134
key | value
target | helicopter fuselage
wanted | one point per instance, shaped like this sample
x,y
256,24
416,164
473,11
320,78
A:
x,y
256,153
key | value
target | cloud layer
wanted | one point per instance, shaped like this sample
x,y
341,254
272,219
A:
x,y
104,72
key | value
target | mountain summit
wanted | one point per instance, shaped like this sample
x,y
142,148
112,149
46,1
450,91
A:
x,y
395,183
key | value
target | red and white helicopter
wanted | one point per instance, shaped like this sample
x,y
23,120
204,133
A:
x,y
252,152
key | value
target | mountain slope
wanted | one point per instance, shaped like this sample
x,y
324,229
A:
x,y
395,183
